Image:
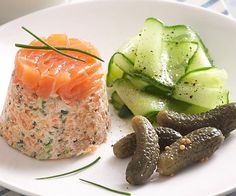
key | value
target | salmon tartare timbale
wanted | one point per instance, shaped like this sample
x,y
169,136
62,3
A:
x,y
56,107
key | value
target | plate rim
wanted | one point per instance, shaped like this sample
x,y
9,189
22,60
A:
x,y
228,18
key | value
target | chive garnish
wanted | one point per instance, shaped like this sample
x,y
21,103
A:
x,y
58,48
71,172
106,188
51,47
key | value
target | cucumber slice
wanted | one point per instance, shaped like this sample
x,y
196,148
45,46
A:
x,y
126,65
148,64
137,82
206,77
178,33
177,56
184,33
183,107
116,101
129,49
199,60
123,63
114,72
203,87
201,96
139,102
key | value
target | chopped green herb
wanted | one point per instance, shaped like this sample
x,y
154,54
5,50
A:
x,y
63,115
20,143
71,172
106,188
64,112
43,104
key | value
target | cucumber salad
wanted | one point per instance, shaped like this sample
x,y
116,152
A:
x,y
165,68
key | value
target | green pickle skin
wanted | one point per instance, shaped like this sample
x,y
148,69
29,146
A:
x,y
203,143
126,146
144,160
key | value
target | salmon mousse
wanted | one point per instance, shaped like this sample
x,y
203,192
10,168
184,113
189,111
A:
x,y
56,106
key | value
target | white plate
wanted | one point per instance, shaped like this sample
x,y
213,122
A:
x,y
107,24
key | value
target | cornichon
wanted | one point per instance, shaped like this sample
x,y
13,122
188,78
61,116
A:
x,y
146,155
222,117
126,146
197,145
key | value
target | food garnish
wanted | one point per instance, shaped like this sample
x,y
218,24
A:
x,y
71,172
222,117
144,160
126,146
51,47
58,48
106,188
165,68
204,142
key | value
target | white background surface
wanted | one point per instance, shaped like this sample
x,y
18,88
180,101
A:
x,y
232,7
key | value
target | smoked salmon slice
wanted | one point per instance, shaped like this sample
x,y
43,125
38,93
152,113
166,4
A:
x,y
48,73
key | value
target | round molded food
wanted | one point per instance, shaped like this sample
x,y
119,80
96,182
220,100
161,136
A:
x,y
56,107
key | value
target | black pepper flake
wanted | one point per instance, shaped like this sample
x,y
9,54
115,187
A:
x,y
93,142
17,87
191,96
34,124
